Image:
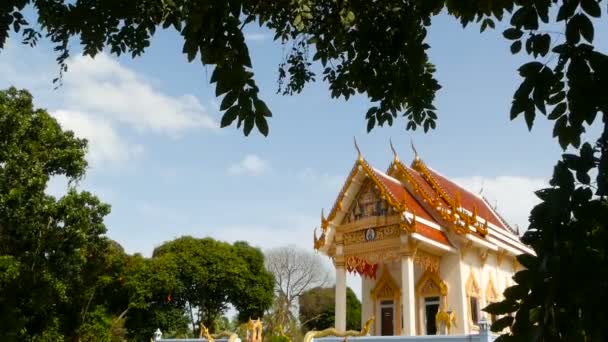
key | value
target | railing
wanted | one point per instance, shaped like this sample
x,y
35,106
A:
x,y
484,336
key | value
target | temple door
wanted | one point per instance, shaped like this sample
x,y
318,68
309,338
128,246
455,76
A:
x,y
387,310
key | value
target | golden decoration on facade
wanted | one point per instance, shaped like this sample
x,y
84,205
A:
x,y
460,219
320,241
430,284
399,207
427,261
382,233
373,257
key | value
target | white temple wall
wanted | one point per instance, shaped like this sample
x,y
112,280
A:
x,y
367,305
496,269
451,272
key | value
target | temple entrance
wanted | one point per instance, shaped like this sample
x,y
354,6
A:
x,y
387,309
431,307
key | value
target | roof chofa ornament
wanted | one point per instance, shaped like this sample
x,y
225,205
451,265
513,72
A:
x,y
359,155
393,149
416,156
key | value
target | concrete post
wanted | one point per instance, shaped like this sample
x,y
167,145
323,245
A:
x,y
408,299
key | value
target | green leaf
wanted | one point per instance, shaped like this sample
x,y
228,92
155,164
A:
x,y
512,33
543,43
573,30
583,177
558,111
229,100
262,124
522,277
529,115
500,308
566,10
591,7
261,108
516,47
530,69
516,292
557,98
229,117
249,122
586,27
528,261
371,122
502,323
483,26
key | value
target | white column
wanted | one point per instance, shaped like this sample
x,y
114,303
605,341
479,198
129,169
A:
x,y
408,299
340,296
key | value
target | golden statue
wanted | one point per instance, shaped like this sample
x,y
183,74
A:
x,y
254,330
445,319
333,332
204,333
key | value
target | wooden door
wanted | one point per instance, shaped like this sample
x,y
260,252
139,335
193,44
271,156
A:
x,y
387,321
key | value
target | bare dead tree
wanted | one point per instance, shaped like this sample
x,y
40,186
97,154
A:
x,y
295,270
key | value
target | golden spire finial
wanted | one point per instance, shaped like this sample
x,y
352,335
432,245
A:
x,y
416,156
324,221
360,156
393,148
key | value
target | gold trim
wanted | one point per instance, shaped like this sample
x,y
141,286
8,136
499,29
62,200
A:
x,y
334,332
384,284
399,207
473,290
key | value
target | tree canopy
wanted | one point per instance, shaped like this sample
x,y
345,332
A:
x,y
214,274
378,48
52,250
317,309
62,279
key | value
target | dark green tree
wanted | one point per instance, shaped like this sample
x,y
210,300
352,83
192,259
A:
x,y
50,248
214,274
317,309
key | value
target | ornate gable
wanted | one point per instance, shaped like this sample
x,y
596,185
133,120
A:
x,y
369,202
386,287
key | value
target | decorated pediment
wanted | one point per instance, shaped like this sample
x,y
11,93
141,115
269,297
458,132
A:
x,y
368,203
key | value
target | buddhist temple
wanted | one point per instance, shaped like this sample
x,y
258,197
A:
x,y
430,253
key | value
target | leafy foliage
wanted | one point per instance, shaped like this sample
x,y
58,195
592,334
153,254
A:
x,y
212,274
350,40
62,279
560,294
50,249
317,309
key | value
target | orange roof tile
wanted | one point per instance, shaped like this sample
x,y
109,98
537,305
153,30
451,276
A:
x,y
432,233
468,200
401,194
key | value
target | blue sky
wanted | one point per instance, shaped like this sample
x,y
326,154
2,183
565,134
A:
x,y
158,157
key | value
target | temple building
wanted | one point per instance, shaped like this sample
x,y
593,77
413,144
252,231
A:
x,y
430,254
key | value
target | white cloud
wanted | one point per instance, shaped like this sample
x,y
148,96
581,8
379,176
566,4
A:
x,y
250,165
255,37
512,196
330,182
102,85
103,101
105,144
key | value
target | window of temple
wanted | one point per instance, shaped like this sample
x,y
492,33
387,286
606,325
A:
x,y
474,308
491,297
473,297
